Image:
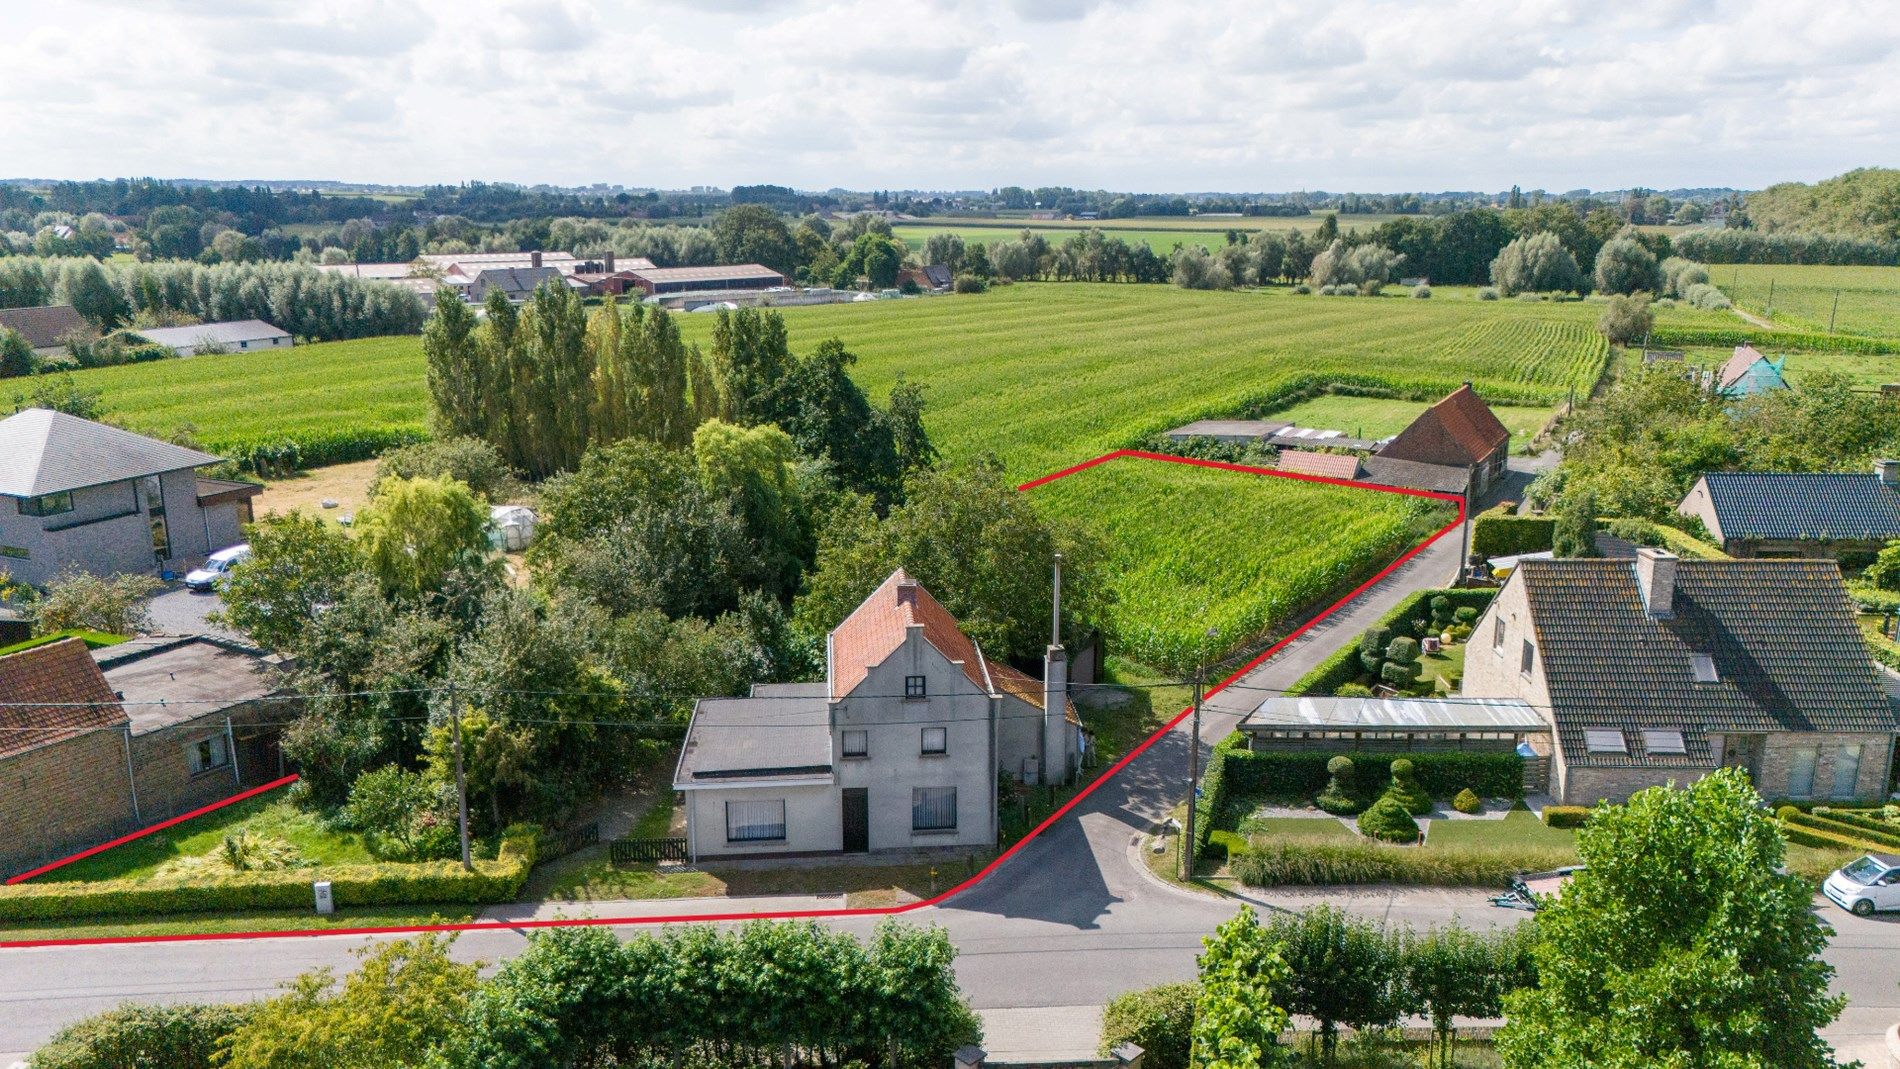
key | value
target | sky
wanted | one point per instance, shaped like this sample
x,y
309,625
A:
x,y
1143,95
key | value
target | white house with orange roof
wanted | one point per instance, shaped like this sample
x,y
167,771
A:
x,y
899,747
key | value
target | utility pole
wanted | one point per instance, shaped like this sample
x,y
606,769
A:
x,y
1833,311
461,781
1194,763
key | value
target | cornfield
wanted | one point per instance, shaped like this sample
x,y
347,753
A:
x,y
1196,548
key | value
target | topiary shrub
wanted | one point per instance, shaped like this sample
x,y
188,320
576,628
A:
x,y
1338,797
1159,1020
1401,668
1468,802
1565,816
1406,791
1387,821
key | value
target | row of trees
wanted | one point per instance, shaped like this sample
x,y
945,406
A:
x,y
785,993
308,303
1681,941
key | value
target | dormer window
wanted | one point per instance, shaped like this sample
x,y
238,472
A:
x,y
1703,666
914,687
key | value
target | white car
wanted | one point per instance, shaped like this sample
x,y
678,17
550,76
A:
x,y
1867,885
216,568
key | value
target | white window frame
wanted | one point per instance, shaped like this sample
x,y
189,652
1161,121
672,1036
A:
x,y
917,804
758,825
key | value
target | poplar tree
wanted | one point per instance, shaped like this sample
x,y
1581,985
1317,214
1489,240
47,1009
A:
x,y
458,372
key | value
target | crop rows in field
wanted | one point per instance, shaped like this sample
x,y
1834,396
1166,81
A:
x,y
1192,548
1043,375
1803,297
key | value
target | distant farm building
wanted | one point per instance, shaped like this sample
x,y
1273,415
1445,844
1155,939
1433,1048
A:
x,y
658,281
45,327
238,336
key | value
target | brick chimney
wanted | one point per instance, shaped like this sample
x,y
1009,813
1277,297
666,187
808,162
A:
x,y
1656,580
534,258
1889,472
1055,693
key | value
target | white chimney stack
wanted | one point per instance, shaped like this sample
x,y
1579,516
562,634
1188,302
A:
x,y
1055,693
1656,580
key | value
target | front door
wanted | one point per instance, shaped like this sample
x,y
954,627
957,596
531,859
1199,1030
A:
x,y
857,820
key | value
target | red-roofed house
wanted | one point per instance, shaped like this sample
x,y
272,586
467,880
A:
x,y
1459,431
64,746
899,747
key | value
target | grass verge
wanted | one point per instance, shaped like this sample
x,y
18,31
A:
x,y
273,920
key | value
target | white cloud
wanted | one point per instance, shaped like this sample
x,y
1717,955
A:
x,y
1126,94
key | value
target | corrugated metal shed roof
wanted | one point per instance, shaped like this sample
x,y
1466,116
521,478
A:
x,y
47,452
1396,714
231,333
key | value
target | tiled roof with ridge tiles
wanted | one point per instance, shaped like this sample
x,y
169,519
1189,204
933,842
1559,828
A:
x,y
1782,635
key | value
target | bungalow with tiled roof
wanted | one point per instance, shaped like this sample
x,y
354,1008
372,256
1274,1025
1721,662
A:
x,y
899,747
45,327
1460,431
1798,514
1659,670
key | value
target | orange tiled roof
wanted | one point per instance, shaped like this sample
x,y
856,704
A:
x,y
62,675
1330,465
1460,429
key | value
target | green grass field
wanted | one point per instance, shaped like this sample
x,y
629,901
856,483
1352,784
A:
x,y
265,815
1192,548
1804,296
1377,417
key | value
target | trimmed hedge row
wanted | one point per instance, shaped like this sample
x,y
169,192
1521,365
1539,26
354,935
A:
x,y
1862,819
1281,862
389,884
1825,840
1689,337
1235,773
1566,816
1342,665
1496,534
1875,837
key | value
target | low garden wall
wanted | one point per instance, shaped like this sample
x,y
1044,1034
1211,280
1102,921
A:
x,y
386,884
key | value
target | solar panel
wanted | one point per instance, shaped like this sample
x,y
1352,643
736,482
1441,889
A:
x,y
1664,742
1604,740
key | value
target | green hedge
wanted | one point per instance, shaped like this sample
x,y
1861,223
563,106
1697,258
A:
x,y
1872,834
1863,819
1566,816
1496,534
1281,862
1770,340
264,454
389,884
1825,840
1685,545
1342,665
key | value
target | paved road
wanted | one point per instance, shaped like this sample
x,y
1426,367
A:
x,y
1068,923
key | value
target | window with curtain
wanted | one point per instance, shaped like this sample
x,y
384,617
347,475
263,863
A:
x,y
755,821
936,740
1801,772
857,744
1846,770
933,809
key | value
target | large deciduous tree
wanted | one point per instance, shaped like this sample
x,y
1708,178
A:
x,y
419,536
754,234
1536,263
1625,265
1682,942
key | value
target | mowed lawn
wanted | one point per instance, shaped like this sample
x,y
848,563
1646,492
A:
x,y
267,815
1191,548
1044,375
1378,417
1803,297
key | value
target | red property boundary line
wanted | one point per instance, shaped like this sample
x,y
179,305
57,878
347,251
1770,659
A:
x,y
797,914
